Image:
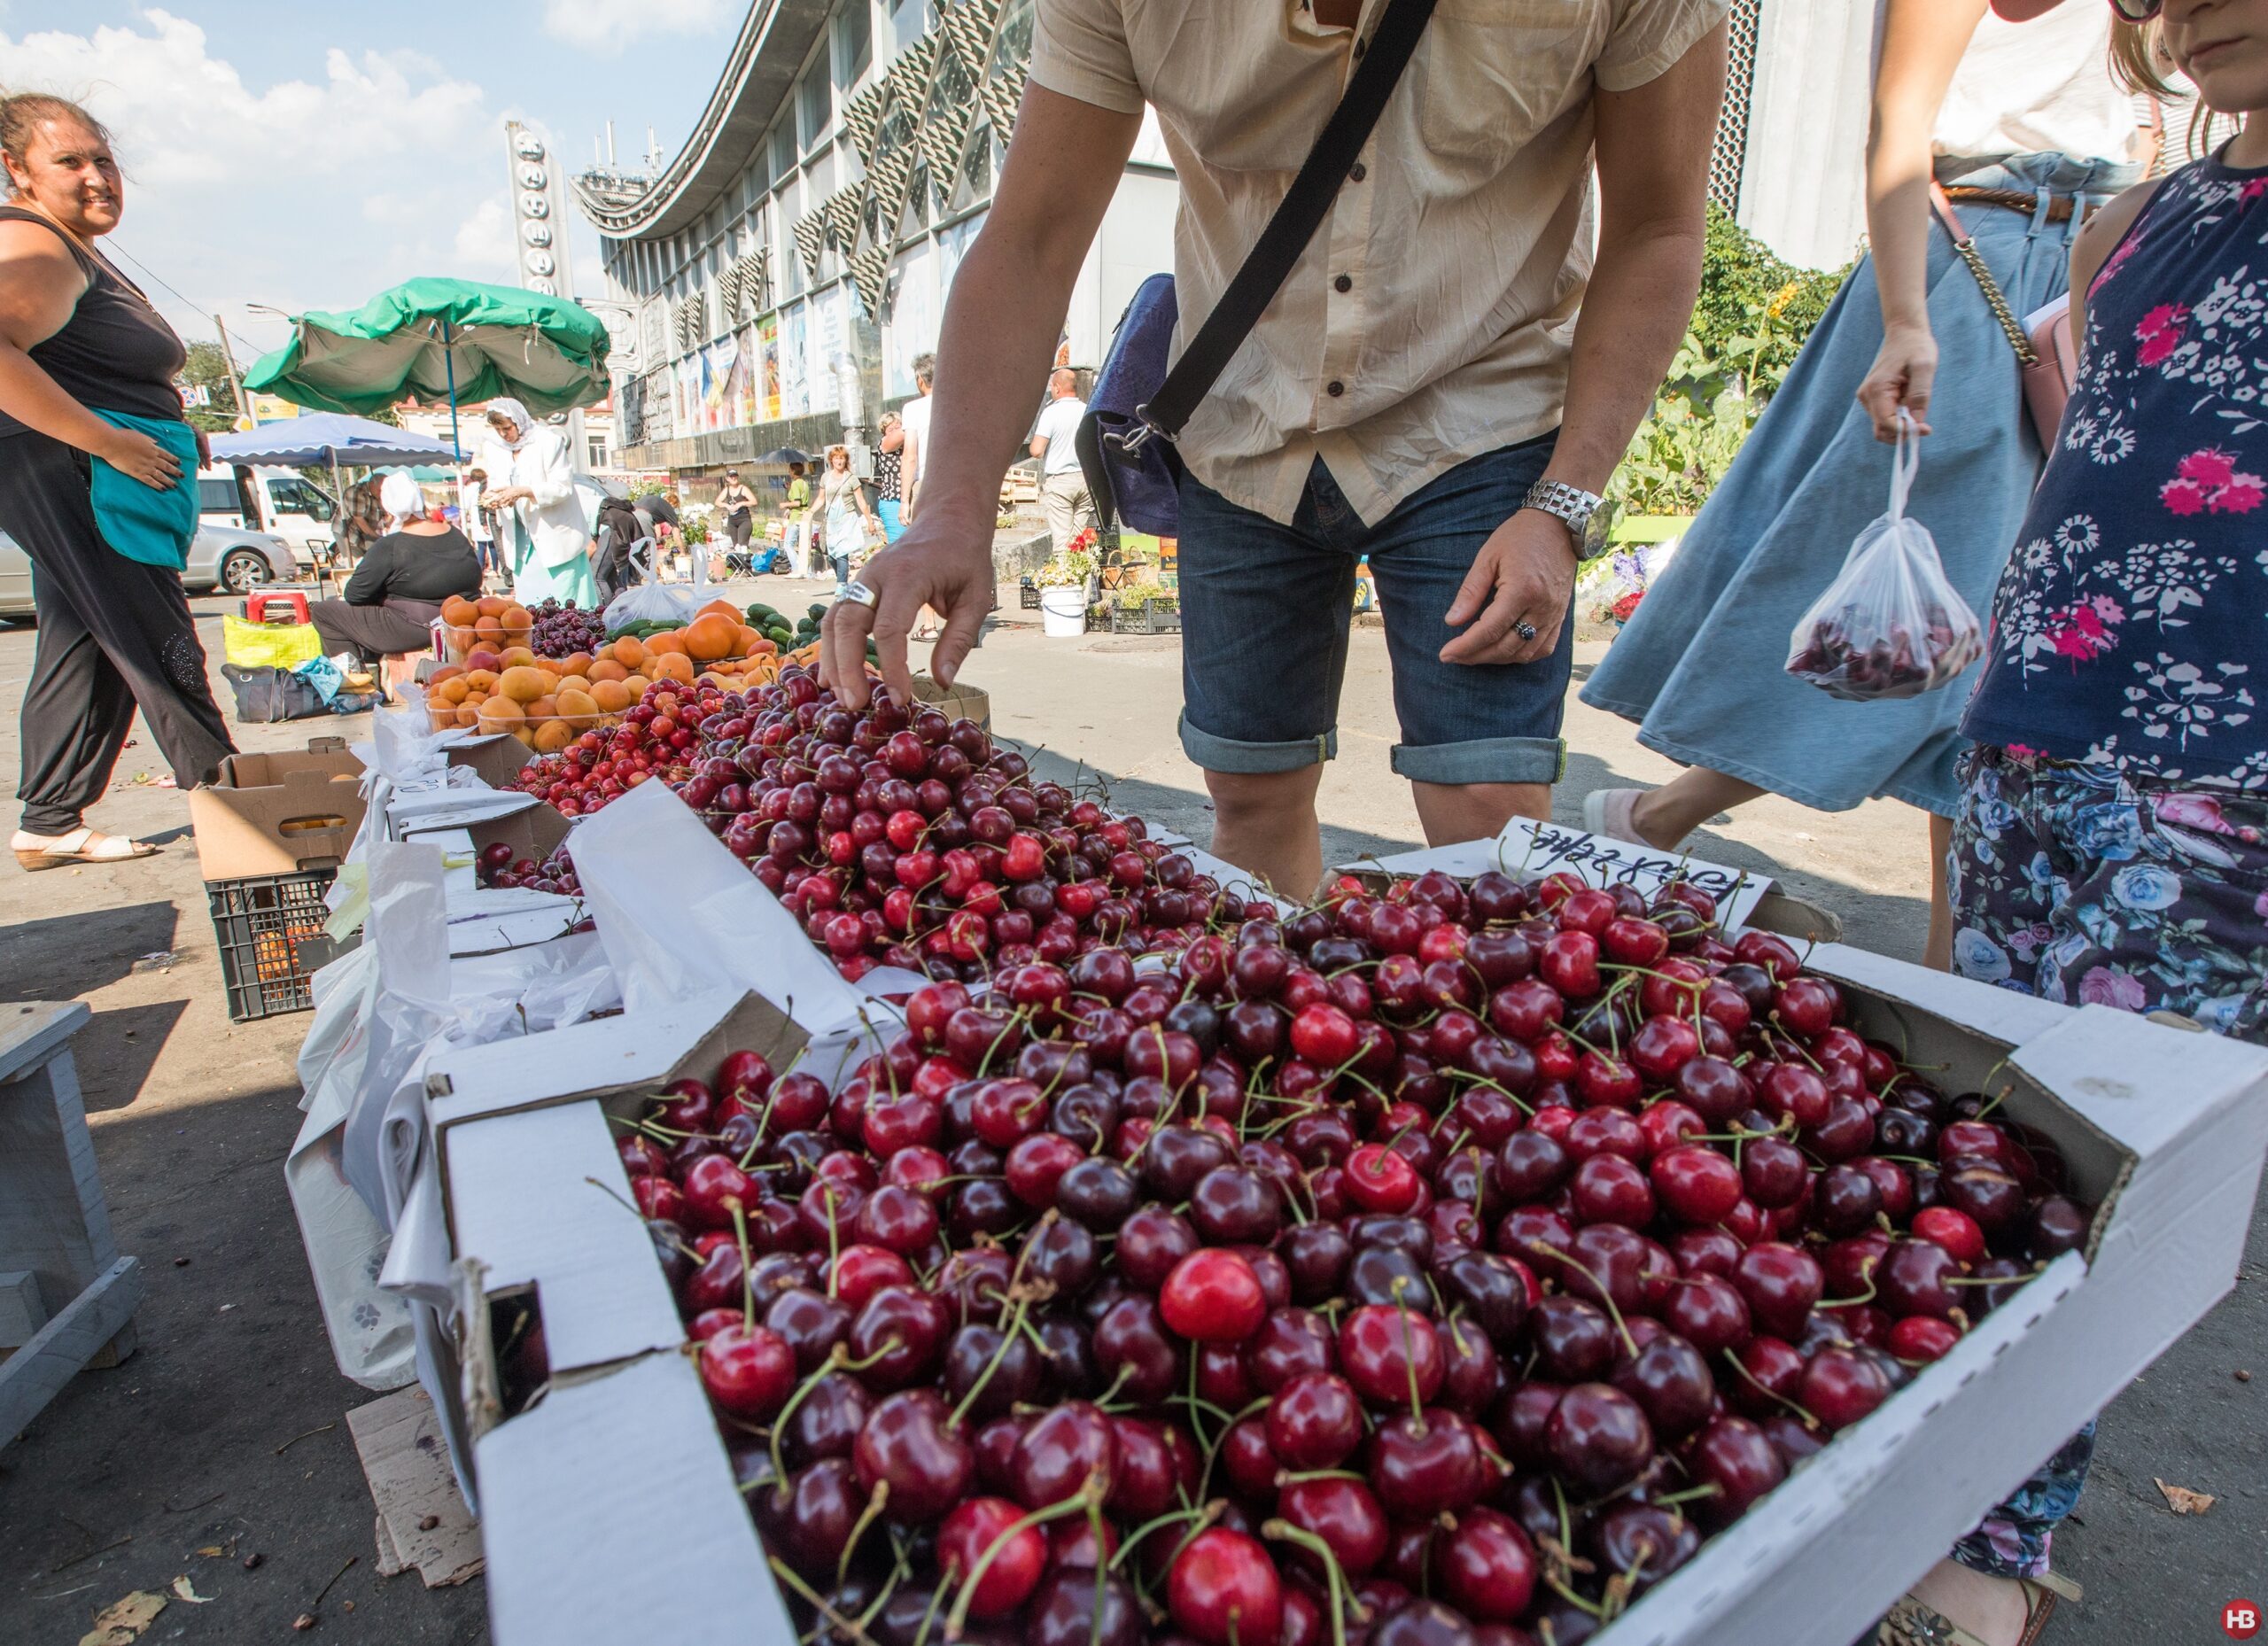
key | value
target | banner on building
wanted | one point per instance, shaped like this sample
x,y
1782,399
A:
x,y
795,360
914,319
688,395
740,396
830,311
718,409
767,338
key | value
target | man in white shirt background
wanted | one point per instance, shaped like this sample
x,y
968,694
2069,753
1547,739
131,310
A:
x,y
1063,484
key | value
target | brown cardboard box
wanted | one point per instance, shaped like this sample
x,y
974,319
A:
x,y
495,759
959,702
277,814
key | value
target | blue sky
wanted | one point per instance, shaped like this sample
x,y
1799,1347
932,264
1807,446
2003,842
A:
x,y
306,156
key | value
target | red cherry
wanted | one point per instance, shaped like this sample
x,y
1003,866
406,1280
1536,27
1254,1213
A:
x,y
748,1371
1212,1296
1224,1590
1377,1179
971,1530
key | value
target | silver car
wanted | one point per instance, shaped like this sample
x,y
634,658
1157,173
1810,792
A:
x,y
221,559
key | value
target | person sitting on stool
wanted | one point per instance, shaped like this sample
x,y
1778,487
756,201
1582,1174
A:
x,y
396,591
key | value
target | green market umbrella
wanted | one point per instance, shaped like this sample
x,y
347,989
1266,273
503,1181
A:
x,y
431,337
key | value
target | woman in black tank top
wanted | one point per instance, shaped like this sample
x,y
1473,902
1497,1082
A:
x,y
76,338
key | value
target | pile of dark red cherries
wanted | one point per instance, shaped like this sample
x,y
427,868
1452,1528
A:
x,y
563,631
1852,655
1436,1267
897,836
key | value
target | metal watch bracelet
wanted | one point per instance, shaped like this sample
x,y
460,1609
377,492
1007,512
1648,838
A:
x,y
1570,505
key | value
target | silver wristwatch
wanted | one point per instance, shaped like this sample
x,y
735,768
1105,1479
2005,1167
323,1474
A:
x,y
1572,506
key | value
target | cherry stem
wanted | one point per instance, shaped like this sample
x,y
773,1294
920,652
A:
x,y
1292,1477
748,1284
1410,1355
835,1356
1078,1502
1286,1531
1741,1367
1173,1517
1095,1529
875,1502
786,1574
1605,1296
1692,1493
1007,1336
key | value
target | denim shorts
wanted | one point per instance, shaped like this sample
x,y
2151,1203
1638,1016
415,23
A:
x,y
1266,609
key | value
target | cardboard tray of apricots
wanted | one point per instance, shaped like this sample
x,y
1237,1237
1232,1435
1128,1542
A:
x,y
492,681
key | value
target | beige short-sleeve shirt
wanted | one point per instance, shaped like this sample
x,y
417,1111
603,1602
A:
x,y
1430,318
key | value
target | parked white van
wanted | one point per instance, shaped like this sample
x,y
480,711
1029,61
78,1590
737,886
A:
x,y
280,501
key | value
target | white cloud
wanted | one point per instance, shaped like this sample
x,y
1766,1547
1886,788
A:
x,y
301,194
608,25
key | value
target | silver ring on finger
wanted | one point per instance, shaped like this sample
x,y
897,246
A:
x,y
858,594
1524,629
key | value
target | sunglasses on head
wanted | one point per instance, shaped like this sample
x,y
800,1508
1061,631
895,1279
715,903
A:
x,y
2138,11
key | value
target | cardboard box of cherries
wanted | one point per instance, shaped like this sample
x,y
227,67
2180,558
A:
x,y
1432,1267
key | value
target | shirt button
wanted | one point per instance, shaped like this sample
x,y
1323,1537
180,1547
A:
x,y
1345,283
1358,171
1334,388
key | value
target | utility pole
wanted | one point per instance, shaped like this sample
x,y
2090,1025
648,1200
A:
x,y
236,379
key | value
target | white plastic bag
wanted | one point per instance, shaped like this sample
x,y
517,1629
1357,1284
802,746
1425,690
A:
x,y
1889,625
652,603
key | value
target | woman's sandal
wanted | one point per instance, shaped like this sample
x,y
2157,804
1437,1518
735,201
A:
x,y
1914,1623
80,846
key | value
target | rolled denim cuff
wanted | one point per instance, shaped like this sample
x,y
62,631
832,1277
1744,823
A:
x,y
1485,760
1221,754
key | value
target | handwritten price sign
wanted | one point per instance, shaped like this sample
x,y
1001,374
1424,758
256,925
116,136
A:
x,y
1528,850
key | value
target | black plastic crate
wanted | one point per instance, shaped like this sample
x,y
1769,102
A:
x,y
1145,619
269,928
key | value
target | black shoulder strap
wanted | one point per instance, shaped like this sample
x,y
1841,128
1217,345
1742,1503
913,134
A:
x,y
1305,205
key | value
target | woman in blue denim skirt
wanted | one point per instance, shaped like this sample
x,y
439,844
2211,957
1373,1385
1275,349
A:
x,y
2026,130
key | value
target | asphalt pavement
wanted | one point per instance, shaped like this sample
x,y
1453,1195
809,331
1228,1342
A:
x,y
224,1437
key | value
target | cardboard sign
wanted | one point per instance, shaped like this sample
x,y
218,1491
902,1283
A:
x,y
1528,849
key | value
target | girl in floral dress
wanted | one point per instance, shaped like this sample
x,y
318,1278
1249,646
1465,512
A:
x,y
2111,846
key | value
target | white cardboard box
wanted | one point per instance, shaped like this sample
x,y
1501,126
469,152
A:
x,y
608,1506
2163,1129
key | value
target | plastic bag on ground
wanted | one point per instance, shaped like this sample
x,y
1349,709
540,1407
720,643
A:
x,y
1890,624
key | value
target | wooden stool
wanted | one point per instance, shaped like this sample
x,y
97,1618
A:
x,y
67,1297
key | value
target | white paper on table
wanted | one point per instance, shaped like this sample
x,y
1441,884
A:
x,y
679,914
1528,849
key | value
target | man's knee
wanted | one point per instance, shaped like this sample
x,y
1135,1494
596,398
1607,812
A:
x,y
1260,796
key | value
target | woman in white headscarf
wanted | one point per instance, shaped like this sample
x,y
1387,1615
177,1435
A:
x,y
389,605
539,515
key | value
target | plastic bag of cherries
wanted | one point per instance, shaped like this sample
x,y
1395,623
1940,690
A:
x,y
1440,1266
1890,624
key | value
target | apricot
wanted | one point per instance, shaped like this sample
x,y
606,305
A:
x,y
553,737
522,685
612,696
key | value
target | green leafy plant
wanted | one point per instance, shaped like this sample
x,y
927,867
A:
x,y
1071,571
1754,314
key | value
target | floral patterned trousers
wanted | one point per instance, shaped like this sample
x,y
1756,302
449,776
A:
x,y
2069,882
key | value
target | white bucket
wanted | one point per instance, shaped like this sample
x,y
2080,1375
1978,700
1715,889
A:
x,y
1063,612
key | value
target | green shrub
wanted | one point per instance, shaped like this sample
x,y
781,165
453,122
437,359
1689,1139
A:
x,y
1754,312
